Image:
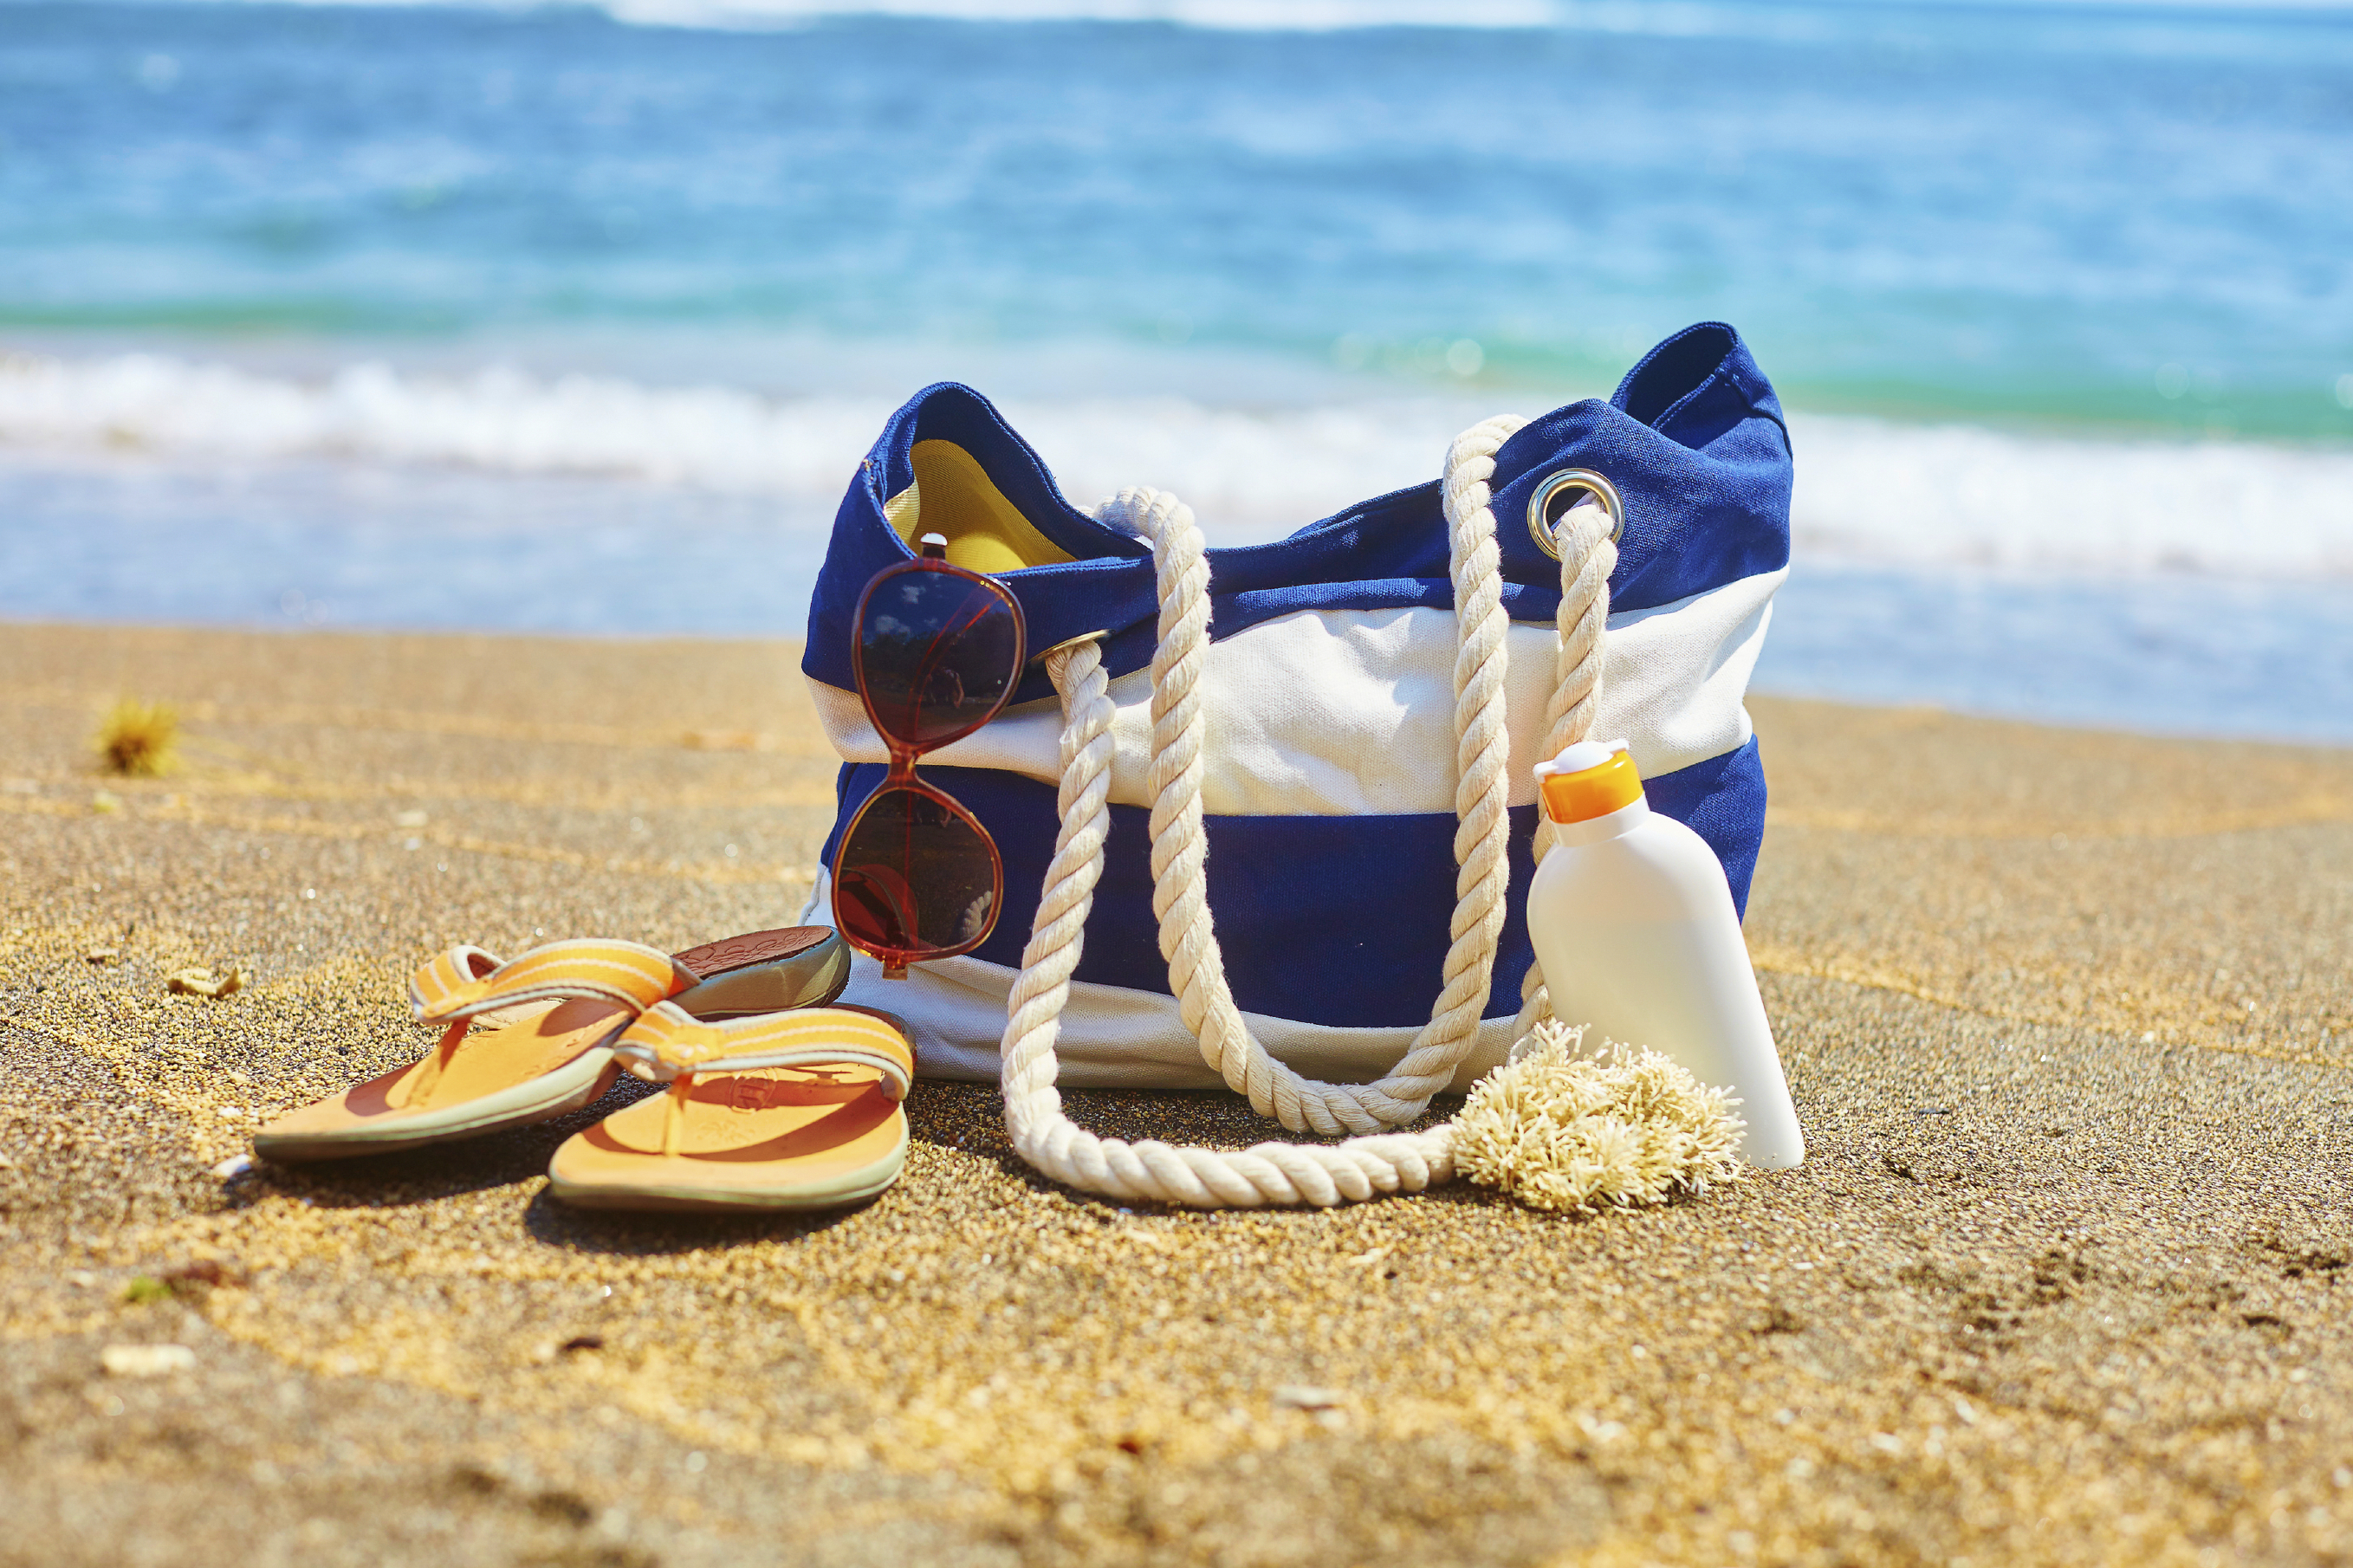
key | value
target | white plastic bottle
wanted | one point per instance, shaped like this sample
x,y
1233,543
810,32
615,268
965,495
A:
x,y
1633,924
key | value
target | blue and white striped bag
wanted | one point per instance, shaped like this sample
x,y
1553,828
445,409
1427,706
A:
x,y
1330,763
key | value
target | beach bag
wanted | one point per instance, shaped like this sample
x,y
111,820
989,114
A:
x,y
1334,704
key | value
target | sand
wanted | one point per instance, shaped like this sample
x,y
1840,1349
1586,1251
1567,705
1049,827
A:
x,y
2068,1017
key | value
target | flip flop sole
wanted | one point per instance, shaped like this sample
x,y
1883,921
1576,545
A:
x,y
747,979
756,1139
839,1191
573,1087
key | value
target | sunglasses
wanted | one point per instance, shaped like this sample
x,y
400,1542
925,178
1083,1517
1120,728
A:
x,y
940,650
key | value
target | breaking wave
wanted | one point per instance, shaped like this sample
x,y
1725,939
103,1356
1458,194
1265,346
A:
x,y
1868,490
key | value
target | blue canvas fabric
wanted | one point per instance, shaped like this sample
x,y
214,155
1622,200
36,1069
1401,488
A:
x,y
1693,438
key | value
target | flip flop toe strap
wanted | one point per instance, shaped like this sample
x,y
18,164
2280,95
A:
x,y
467,981
668,1045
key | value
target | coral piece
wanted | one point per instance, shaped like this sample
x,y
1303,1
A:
x,y
1573,1134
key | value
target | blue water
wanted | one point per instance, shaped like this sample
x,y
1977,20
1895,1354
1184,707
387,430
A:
x,y
296,291
2004,211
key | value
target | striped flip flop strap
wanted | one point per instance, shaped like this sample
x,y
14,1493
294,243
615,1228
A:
x,y
668,1044
467,981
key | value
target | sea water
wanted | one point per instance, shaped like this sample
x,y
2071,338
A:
x,y
568,318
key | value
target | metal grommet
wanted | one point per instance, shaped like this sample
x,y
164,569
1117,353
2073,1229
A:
x,y
1066,642
1540,526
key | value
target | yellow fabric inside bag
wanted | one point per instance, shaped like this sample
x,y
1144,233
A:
x,y
953,497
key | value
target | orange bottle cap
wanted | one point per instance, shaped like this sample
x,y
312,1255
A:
x,y
1589,779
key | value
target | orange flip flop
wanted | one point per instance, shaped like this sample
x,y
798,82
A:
x,y
792,1110
576,998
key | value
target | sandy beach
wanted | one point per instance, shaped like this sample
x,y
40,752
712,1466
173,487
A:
x,y
2068,1277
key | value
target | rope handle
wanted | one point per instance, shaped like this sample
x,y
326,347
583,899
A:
x,y
1375,1162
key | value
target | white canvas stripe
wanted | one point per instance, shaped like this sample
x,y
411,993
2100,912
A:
x,y
1350,713
1112,1036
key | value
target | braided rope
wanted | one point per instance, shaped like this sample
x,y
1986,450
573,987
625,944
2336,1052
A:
x,y
1180,894
1375,1162
1588,556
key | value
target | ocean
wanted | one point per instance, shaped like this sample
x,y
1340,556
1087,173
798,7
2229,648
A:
x,y
564,318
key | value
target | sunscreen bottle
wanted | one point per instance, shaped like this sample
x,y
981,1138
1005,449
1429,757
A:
x,y
1633,925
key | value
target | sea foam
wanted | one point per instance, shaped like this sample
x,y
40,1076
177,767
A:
x,y
1868,490
1969,495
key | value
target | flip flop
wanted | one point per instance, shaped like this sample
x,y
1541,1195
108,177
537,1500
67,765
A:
x,y
562,1007
791,1111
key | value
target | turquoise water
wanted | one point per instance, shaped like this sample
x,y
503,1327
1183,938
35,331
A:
x,y
2060,295
2056,213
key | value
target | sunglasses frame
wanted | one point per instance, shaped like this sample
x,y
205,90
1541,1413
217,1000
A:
x,y
904,755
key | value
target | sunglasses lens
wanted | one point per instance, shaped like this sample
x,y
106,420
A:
x,y
913,876
939,650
